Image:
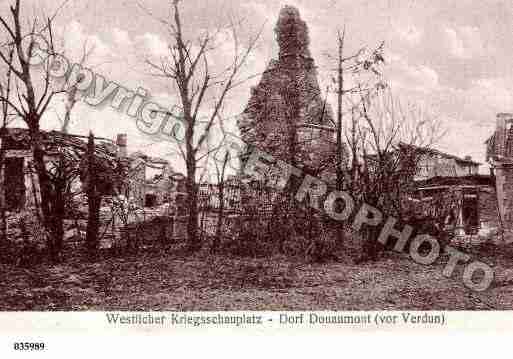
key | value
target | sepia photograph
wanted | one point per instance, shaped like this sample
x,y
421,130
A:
x,y
308,157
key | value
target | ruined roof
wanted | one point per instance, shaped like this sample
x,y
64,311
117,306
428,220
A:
x,y
439,153
153,162
470,180
14,138
492,145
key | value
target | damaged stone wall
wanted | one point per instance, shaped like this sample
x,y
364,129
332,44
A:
x,y
288,97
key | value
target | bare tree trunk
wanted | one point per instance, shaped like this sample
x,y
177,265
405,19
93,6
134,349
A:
x,y
340,144
192,224
220,219
59,212
93,224
51,209
5,91
31,108
93,201
192,207
2,188
52,206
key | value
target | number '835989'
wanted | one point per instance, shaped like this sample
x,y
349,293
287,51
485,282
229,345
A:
x,y
26,346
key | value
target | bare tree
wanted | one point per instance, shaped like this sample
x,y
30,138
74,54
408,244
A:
x,y
71,92
387,139
188,68
221,166
362,63
34,93
31,107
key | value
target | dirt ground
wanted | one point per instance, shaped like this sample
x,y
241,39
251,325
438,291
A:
x,y
162,281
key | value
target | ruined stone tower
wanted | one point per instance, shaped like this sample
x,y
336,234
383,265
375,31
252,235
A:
x,y
286,115
500,154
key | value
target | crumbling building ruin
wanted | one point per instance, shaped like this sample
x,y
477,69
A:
x,y
286,115
500,157
288,119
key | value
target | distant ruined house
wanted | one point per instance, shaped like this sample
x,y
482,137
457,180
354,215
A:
x,y
480,204
449,190
466,204
20,183
434,163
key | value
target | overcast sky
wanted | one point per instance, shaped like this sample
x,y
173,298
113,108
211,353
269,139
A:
x,y
454,57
